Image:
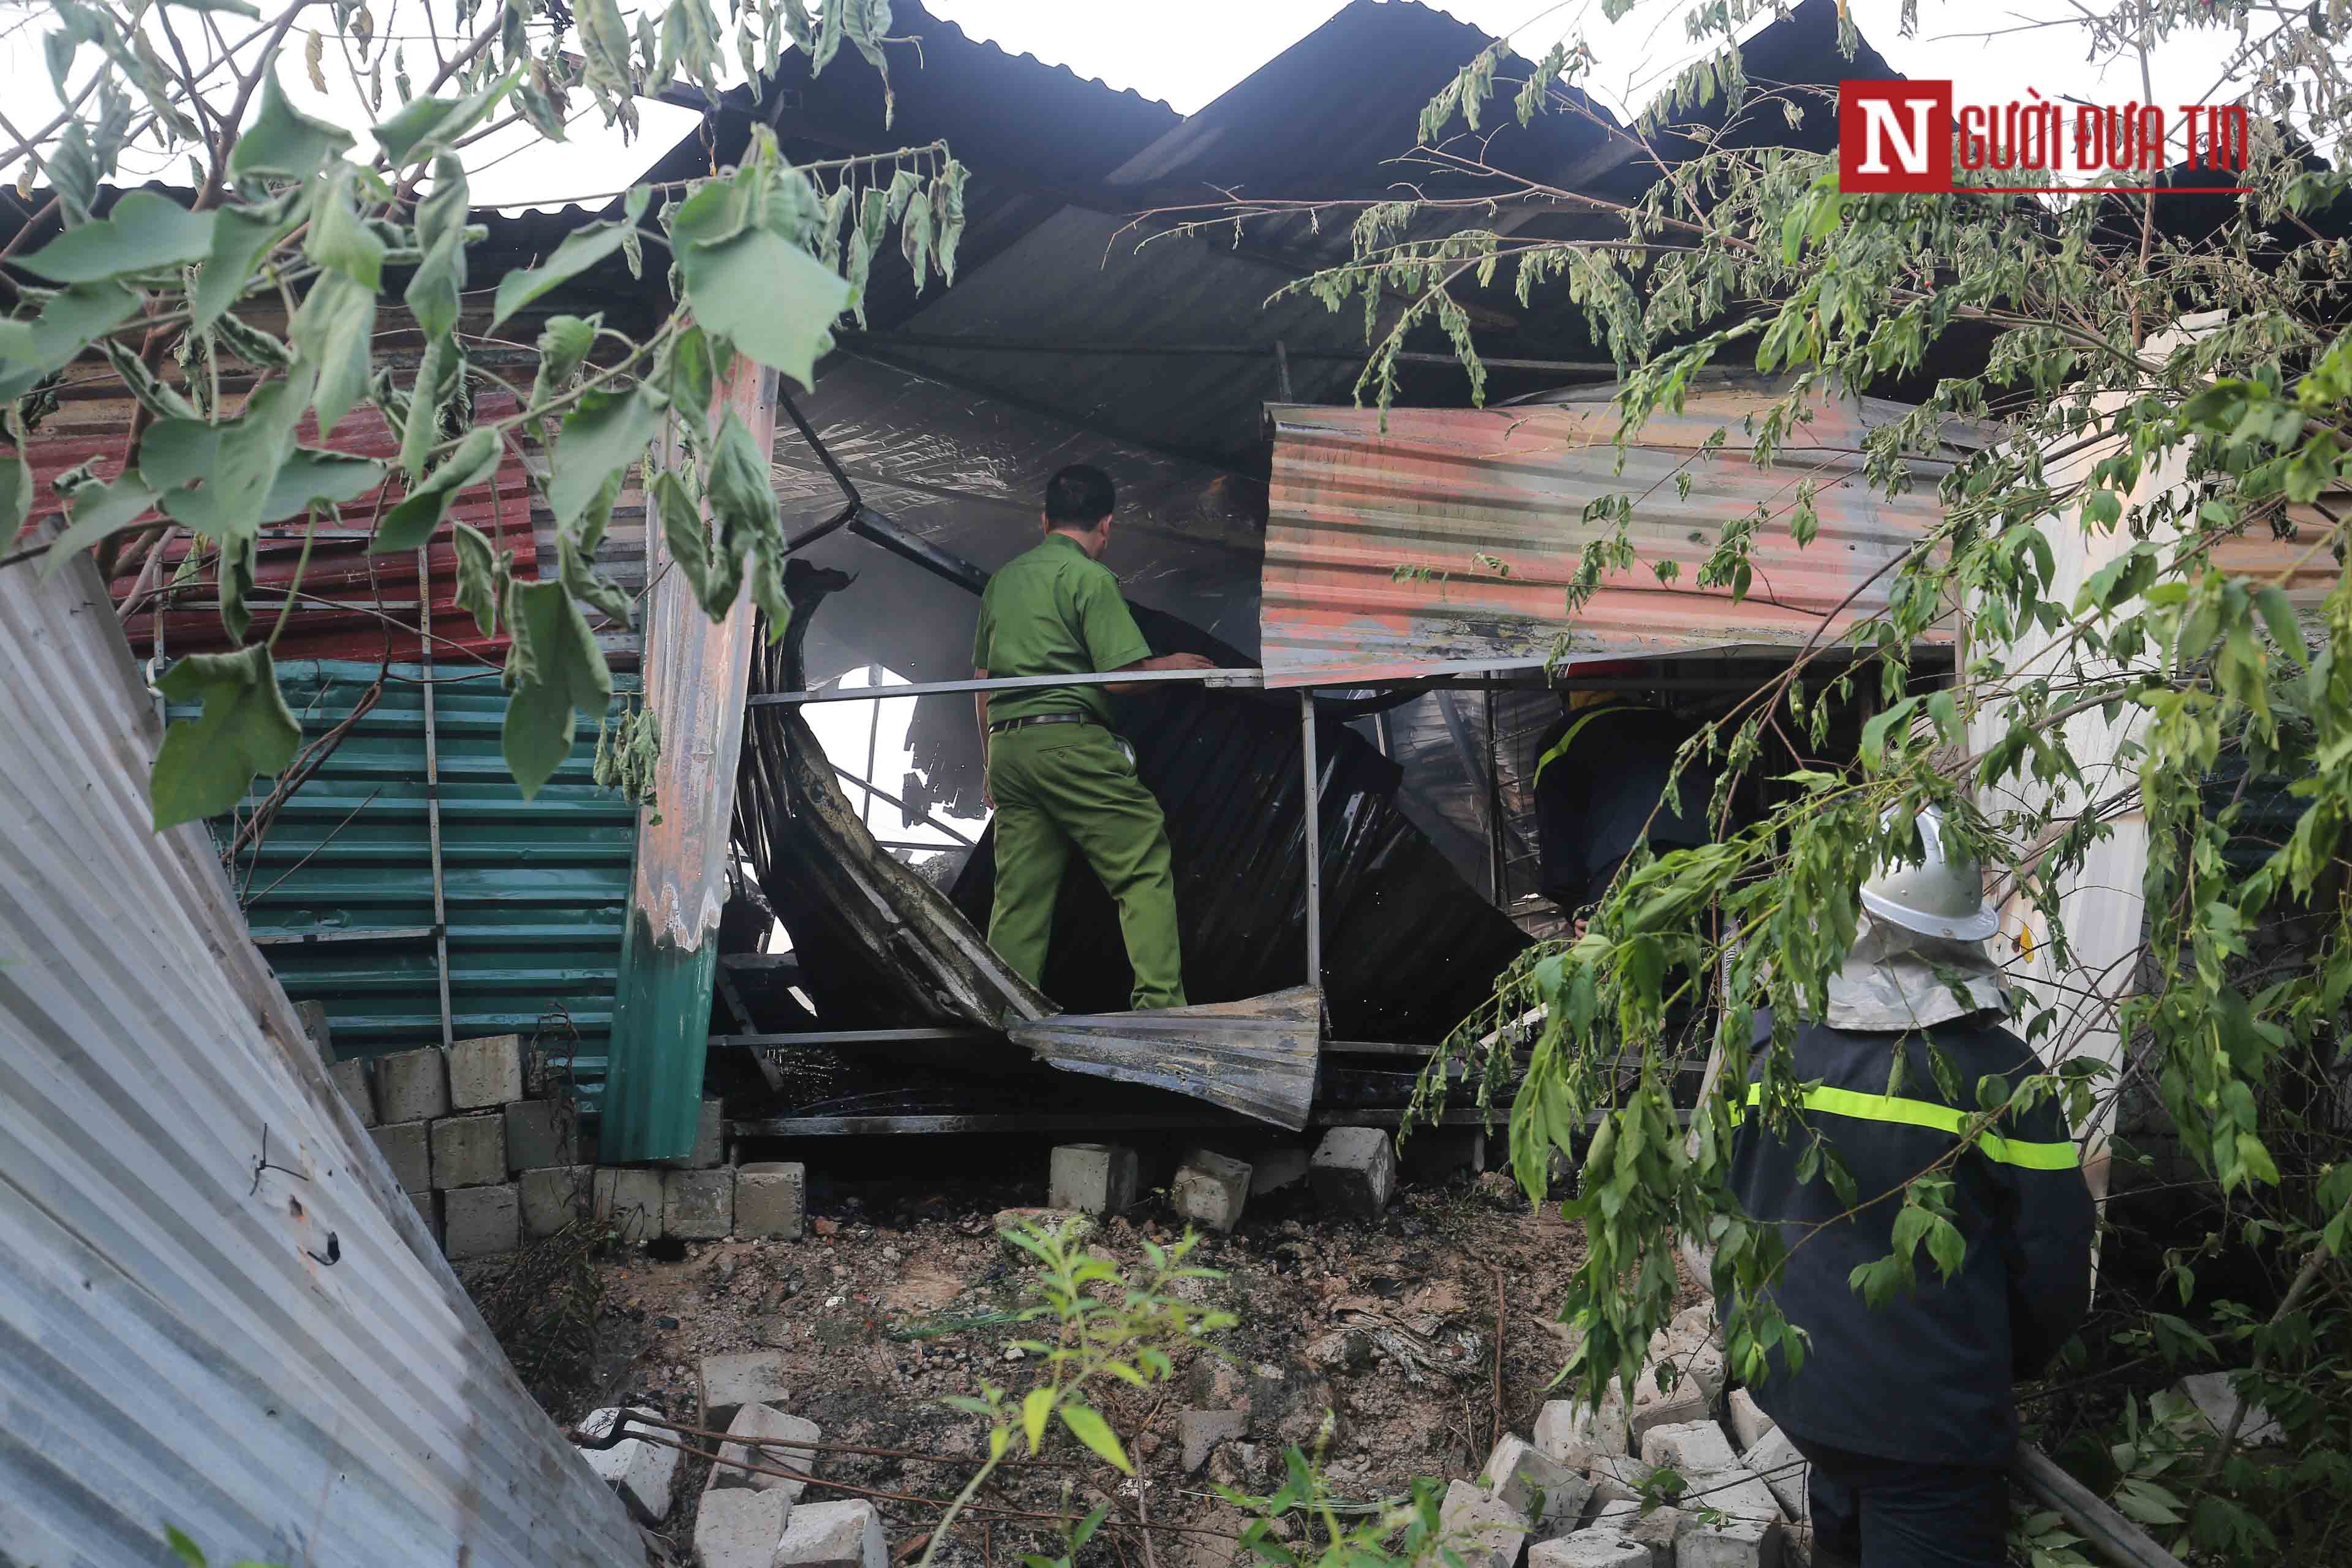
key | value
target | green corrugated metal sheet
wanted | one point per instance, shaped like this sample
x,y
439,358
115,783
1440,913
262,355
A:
x,y
535,890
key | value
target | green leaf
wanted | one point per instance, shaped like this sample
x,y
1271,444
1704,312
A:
x,y
412,522
206,763
72,319
97,512
440,277
683,532
185,1550
241,236
579,575
15,493
426,123
333,335
1091,1429
554,671
483,573
144,233
1034,1409
233,572
605,433
283,142
564,345
440,374
239,462
340,238
580,250
1088,1525
772,299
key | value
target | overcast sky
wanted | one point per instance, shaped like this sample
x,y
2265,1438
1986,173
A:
x,y
1185,55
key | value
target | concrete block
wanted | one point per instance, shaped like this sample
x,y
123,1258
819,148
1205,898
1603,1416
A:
x,y
480,1222
630,1201
1202,1430
1652,1409
1689,1449
1542,1489
1737,1491
1354,1171
1617,1477
1572,1433
554,1197
352,1081
1775,1461
1697,1374
1485,1531
313,1016
1589,1549
755,1437
412,1086
834,1535
643,1473
745,1377
2217,1402
771,1199
1656,1530
469,1152
1619,1516
486,1073
1734,1543
698,1206
408,1151
541,1133
710,1139
1748,1422
1284,1165
741,1528
1093,1178
1209,1189
429,1209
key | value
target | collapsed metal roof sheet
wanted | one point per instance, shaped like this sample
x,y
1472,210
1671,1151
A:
x,y
1427,540
274,1360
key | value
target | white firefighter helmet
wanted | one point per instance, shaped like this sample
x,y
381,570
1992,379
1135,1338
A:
x,y
1942,895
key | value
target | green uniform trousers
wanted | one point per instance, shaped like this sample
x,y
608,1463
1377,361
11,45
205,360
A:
x,y
1064,785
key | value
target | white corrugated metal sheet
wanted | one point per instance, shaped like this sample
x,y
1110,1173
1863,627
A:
x,y
174,1349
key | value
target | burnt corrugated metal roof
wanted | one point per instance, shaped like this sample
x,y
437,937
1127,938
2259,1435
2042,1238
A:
x,y
1449,539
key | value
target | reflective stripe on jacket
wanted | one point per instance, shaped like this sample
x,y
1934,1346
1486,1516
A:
x,y
1925,1376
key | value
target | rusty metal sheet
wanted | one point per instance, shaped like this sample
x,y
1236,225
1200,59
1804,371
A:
x,y
353,592
1430,539
1256,1055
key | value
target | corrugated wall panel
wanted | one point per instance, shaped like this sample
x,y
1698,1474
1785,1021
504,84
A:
x,y
179,1343
535,889
1424,537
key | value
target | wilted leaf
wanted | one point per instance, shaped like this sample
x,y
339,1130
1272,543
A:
x,y
483,573
206,763
554,671
580,250
412,522
440,277
423,123
68,324
564,345
333,335
97,512
240,460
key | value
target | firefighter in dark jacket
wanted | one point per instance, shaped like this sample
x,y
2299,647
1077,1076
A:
x,y
1904,1410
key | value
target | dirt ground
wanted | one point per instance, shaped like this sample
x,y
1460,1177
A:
x,y
896,1301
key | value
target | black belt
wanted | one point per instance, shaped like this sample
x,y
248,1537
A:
x,y
1002,724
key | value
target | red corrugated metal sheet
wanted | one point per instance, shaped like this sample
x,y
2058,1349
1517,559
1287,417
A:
x,y
1449,539
340,568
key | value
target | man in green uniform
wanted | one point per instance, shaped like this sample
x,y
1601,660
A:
x,y
1059,777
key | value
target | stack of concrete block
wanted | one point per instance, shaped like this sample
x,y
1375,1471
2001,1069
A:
x,y
1740,1481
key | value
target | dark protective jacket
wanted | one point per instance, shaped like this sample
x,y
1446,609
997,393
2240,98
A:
x,y
1599,773
1924,1378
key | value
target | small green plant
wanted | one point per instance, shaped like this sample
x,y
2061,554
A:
x,y
1106,1329
1341,1533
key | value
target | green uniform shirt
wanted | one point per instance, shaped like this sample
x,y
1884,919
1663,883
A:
x,y
1055,610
